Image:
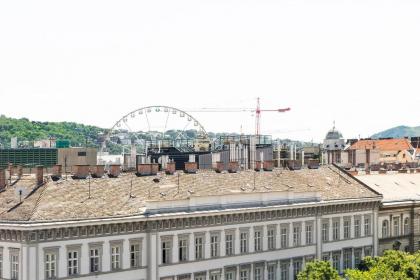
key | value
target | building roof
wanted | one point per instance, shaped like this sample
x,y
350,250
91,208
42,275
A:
x,y
110,197
394,186
333,134
382,145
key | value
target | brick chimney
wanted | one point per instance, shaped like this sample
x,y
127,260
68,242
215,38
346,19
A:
x,y
154,168
313,164
56,172
144,169
81,171
258,165
268,165
98,171
233,166
114,170
2,178
39,175
190,167
170,168
220,166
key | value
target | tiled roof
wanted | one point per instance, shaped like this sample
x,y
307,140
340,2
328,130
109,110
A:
x,y
68,200
382,145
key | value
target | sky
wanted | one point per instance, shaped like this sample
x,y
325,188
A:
x,y
353,62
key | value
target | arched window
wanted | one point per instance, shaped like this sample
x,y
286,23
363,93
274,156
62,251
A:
x,y
406,226
385,229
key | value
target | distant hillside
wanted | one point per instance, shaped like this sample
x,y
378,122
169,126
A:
x,y
398,132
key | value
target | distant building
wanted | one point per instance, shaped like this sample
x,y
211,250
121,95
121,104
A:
x,y
334,144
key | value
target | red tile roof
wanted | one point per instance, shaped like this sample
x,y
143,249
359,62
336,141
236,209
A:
x,y
382,145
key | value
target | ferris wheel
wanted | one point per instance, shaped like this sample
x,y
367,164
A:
x,y
153,126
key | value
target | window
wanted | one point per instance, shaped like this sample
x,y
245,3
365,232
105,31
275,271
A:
x,y
73,262
166,252
385,228
50,265
283,237
244,275
296,235
396,226
183,249
357,231
367,226
230,275
297,267
115,257
257,241
346,226
347,259
1,262
258,273
368,251
284,271
81,154
326,257
357,257
406,226
271,239
215,277
229,244
325,228
94,259
244,242
135,255
14,263
271,272
199,277
309,234
214,246
336,261
336,230
199,247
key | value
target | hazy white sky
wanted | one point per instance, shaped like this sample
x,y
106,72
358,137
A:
x,y
355,62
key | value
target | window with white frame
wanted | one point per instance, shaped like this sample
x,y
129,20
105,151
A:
x,y
201,276
347,254
346,228
271,238
183,248
297,267
396,226
166,249
336,229
135,253
72,262
309,234
257,240
357,257
229,243
244,274
368,251
50,264
258,273
230,275
357,229
244,242
367,226
94,259
271,272
284,270
115,256
336,261
296,235
406,226
325,229
215,276
14,264
199,247
284,238
385,228
214,245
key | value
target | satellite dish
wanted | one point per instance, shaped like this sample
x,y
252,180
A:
x,y
20,192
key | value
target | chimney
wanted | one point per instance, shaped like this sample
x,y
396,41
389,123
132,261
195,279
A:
x,y
190,167
353,172
2,178
39,175
98,171
233,167
56,175
293,165
114,170
144,169
154,168
170,168
82,171
382,171
257,165
220,166
20,171
268,165
313,164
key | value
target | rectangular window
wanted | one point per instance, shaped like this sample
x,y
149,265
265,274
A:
x,y
230,275
296,235
357,231
214,277
166,252
94,259
271,239
229,244
199,247
81,154
346,226
368,251
284,271
325,229
336,262
271,272
284,238
309,234
257,241
73,263
244,275
297,267
336,230
183,249
50,265
347,259
357,257
396,226
115,257
244,242
214,246
367,226
135,254
14,263
258,273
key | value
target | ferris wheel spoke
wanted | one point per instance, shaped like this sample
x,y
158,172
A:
x,y
166,125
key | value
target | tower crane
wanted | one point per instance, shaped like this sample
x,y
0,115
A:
x,y
256,110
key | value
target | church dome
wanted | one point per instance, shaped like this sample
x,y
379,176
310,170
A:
x,y
334,134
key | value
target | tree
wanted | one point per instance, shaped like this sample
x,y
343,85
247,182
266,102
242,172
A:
x,y
318,270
